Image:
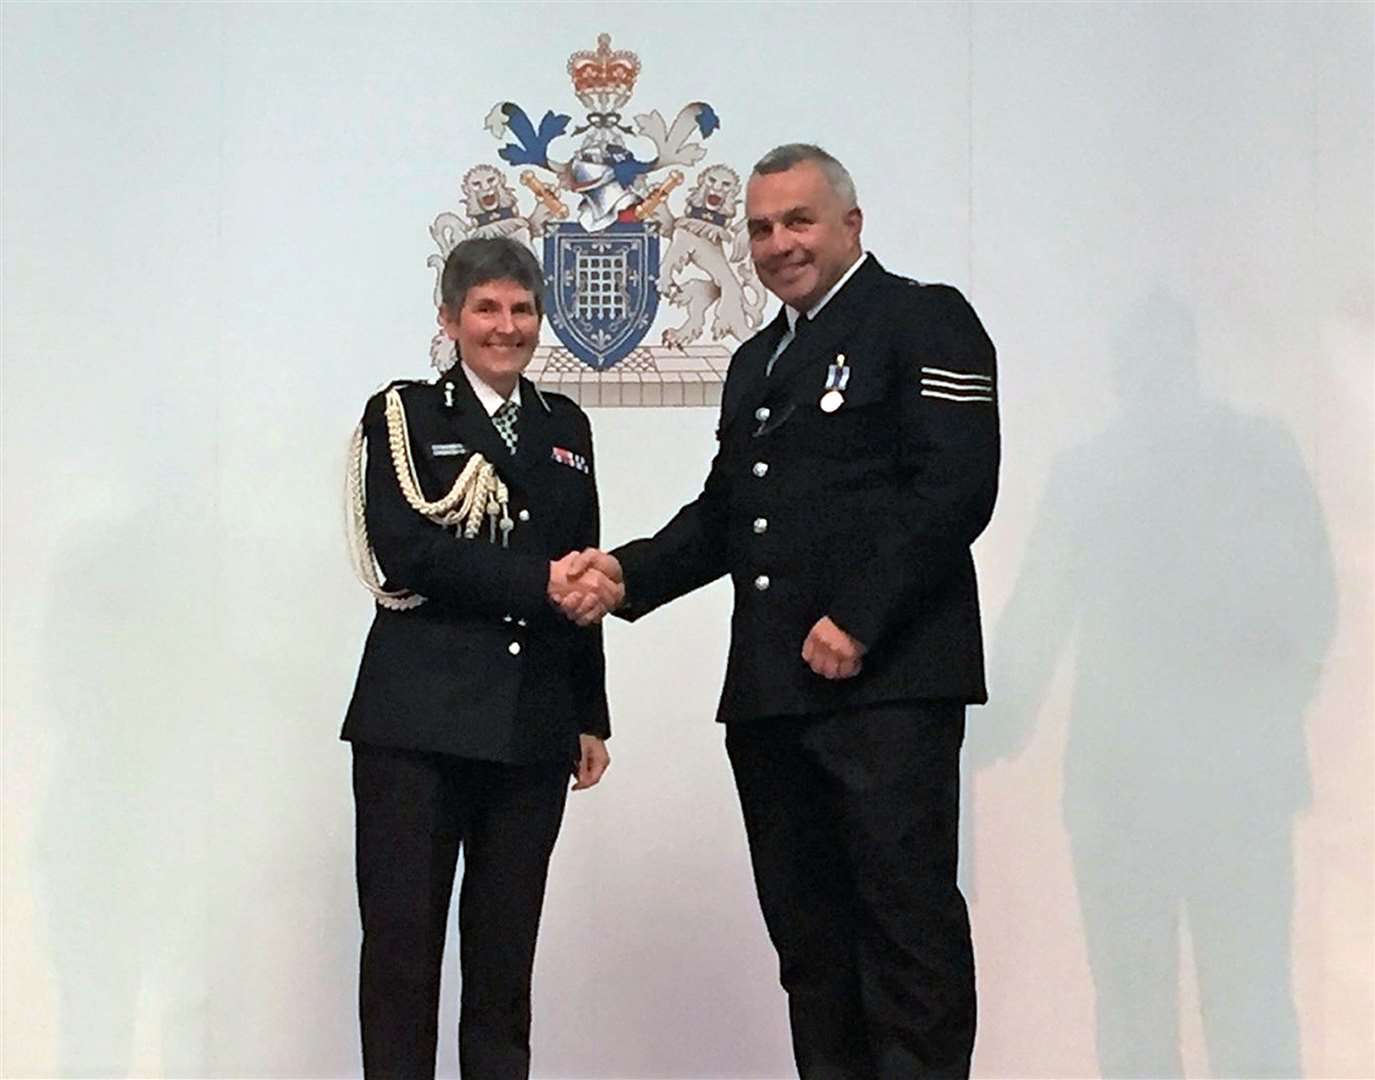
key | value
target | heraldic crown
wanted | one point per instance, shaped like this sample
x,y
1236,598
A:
x,y
603,80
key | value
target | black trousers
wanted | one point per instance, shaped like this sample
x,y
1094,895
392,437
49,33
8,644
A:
x,y
852,820
413,811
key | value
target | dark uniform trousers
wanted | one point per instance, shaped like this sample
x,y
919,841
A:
x,y
464,723
863,513
852,820
414,812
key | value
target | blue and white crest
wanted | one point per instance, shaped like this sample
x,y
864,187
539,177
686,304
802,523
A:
x,y
601,288
610,243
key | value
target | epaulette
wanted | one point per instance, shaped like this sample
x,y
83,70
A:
x,y
395,384
398,384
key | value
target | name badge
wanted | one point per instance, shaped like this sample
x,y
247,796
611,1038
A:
x,y
447,449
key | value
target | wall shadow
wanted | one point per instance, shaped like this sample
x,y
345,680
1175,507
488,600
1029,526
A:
x,y
119,843
1182,554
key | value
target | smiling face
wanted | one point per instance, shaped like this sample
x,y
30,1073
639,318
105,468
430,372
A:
x,y
802,235
496,330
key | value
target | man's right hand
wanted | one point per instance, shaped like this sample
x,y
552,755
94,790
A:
x,y
585,585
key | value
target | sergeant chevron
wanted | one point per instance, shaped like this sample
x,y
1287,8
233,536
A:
x,y
950,385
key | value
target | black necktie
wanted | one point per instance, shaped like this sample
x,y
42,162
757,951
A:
x,y
800,329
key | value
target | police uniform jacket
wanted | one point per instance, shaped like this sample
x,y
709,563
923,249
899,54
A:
x,y
486,668
865,514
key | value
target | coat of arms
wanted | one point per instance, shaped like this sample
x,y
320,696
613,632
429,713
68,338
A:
x,y
619,251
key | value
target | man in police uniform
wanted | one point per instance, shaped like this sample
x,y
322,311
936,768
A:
x,y
471,706
858,461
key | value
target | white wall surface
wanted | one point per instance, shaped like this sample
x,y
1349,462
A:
x,y
214,240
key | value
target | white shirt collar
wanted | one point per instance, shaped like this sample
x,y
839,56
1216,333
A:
x,y
490,399
793,314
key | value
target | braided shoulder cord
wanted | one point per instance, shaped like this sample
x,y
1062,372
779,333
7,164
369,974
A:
x,y
477,491
360,547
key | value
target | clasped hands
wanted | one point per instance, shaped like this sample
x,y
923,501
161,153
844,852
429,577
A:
x,y
585,585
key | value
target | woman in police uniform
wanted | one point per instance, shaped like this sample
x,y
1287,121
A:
x,y
475,695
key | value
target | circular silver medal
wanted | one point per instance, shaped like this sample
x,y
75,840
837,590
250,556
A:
x,y
831,400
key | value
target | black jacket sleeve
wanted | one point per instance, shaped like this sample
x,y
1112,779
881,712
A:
x,y
948,458
589,673
685,554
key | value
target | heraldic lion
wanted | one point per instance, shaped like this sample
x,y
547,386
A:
x,y
706,236
489,205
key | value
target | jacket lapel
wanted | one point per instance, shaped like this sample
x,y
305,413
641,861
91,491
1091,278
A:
x,y
535,438
472,420
748,369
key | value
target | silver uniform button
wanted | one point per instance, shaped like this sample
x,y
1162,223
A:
x,y
506,618
513,648
760,468
524,515
761,582
520,622
762,413
761,525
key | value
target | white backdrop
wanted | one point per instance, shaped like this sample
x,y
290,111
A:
x,y
214,241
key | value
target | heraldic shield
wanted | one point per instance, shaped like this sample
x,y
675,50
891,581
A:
x,y
601,288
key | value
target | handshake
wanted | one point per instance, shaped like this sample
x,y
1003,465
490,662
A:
x,y
585,585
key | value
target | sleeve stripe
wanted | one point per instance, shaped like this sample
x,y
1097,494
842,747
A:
x,y
968,388
973,377
956,397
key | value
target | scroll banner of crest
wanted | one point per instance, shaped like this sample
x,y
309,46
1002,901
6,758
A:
x,y
621,247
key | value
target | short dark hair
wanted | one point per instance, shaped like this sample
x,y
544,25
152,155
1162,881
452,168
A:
x,y
782,158
494,258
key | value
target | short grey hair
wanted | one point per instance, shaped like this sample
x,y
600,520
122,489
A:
x,y
483,259
782,158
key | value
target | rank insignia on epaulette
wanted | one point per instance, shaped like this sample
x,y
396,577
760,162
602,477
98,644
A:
x,y
572,460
